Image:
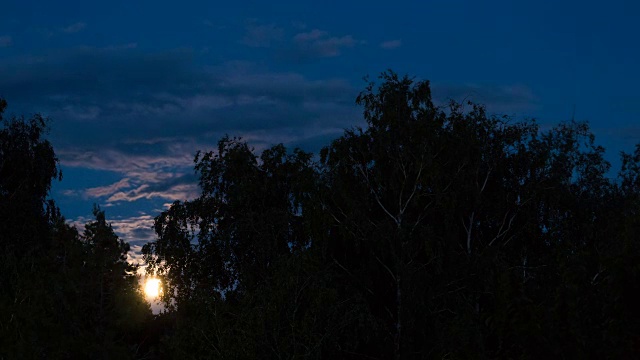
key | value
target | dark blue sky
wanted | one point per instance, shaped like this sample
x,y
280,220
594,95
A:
x,y
135,88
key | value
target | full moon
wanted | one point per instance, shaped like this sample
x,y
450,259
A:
x,y
152,288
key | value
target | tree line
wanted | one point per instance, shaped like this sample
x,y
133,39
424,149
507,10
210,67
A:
x,y
64,295
432,232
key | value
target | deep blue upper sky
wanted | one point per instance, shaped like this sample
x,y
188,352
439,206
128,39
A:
x,y
135,88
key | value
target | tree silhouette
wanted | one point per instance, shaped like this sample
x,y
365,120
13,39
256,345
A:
x,y
63,295
431,232
436,231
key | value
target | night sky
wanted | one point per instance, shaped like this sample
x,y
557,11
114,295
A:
x,y
135,88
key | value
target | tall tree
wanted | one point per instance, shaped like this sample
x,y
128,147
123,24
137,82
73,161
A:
x,y
27,166
49,272
241,254
452,222
112,291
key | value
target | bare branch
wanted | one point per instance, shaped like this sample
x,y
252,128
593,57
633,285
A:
x,y
469,231
415,187
386,267
501,233
350,274
485,181
375,194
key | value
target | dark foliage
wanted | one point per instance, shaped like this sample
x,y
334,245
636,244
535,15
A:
x,y
432,232
64,296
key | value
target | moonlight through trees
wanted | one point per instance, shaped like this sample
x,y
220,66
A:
x,y
431,232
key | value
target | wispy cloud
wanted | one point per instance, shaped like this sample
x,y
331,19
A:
x,y
312,35
143,167
6,41
391,44
79,223
262,35
155,110
314,43
139,91
74,28
180,192
144,177
107,190
135,230
126,46
134,256
50,32
69,192
318,43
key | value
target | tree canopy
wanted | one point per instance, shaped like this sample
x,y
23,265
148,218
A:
x,y
432,231
64,295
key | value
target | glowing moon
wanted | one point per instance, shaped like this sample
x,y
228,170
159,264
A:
x,y
152,288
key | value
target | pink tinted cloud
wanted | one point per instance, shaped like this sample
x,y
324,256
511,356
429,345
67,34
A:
x,y
176,192
107,190
136,228
143,176
112,160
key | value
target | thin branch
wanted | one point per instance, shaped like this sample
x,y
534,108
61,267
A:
x,y
415,187
485,181
469,231
386,267
366,177
501,233
349,273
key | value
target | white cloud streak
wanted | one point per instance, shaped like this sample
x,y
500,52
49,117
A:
x,y
177,192
74,28
107,190
312,35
